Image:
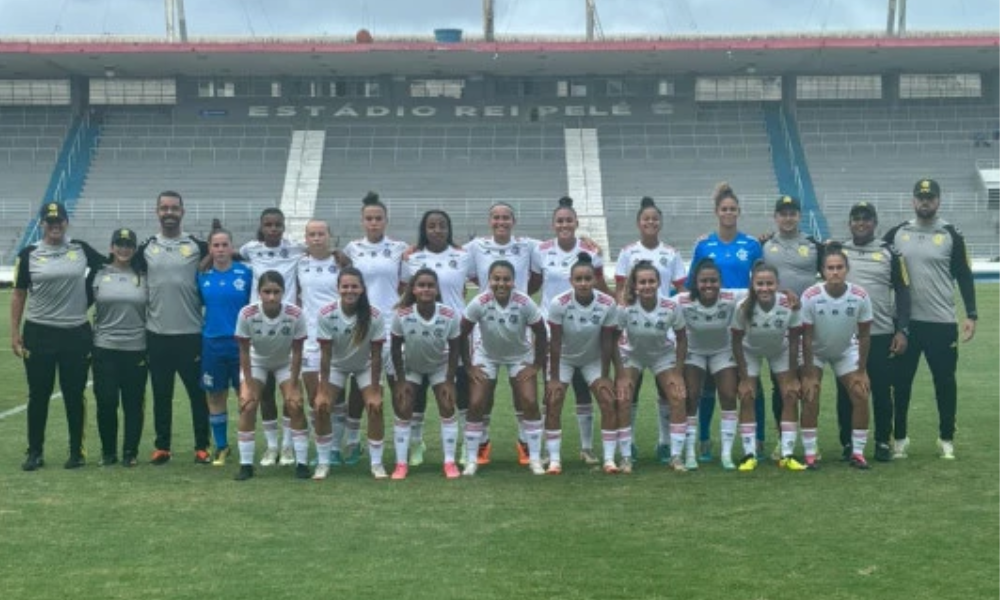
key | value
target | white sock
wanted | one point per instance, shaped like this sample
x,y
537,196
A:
x,y
625,442
727,427
585,419
748,435
324,443
789,431
247,443
300,442
533,435
401,437
270,434
663,409
353,430
449,437
809,442
375,451
417,429
473,435
338,425
691,435
553,442
859,439
286,432
609,442
677,435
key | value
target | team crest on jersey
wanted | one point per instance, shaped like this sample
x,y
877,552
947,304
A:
x,y
850,311
515,250
877,256
722,314
286,330
284,253
185,251
661,325
240,285
779,323
453,263
513,319
938,239
663,260
742,254
595,319
803,251
387,253
439,333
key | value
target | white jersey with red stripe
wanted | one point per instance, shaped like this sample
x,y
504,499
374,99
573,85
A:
x,y
666,259
425,348
283,258
649,335
834,321
485,251
337,329
708,326
582,325
503,329
555,264
766,335
317,287
381,263
453,266
271,338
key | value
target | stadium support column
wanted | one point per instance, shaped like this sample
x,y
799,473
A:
x,y
890,25
182,27
901,30
488,20
591,18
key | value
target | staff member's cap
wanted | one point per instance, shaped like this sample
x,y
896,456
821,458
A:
x,y
864,208
927,188
124,237
787,202
53,211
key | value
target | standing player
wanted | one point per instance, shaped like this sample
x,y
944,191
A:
x,y
672,273
424,346
351,333
935,255
504,316
734,253
173,325
380,258
708,311
582,325
766,325
653,337
879,270
272,252
271,333
225,290
453,265
317,273
837,319
554,259
119,366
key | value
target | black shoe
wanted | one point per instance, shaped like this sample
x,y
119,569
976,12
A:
x,y
246,472
129,460
108,459
845,454
75,461
883,453
33,462
302,471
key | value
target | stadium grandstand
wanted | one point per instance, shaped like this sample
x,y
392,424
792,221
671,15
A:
x,y
310,125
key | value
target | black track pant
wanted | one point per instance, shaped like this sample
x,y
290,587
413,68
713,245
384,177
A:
x,y
881,369
119,380
48,350
938,342
180,355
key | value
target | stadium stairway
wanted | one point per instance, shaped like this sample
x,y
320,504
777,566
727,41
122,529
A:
x,y
70,172
302,173
790,168
583,178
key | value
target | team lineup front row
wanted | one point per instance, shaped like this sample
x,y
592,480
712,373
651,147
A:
x,y
328,318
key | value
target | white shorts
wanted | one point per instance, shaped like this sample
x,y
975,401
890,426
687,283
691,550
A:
x,y
363,377
591,372
712,363
843,364
778,364
657,366
434,377
492,368
310,356
281,374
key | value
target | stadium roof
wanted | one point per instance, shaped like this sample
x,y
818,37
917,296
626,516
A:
x,y
780,54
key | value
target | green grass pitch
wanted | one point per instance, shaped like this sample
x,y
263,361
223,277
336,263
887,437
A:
x,y
914,529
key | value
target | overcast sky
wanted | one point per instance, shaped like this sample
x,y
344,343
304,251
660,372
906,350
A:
x,y
340,17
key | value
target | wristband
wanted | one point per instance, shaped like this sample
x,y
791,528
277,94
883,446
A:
x,y
972,316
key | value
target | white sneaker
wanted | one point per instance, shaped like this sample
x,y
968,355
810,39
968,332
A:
x,y
287,457
691,462
727,462
321,472
378,472
270,458
899,448
588,457
626,466
555,467
536,468
947,449
470,469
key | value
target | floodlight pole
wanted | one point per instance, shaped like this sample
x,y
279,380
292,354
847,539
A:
x,y
488,20
901,30
168,6
890,25
591,10
181,20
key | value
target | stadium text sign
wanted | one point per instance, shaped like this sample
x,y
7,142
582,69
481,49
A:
x,y
352,111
